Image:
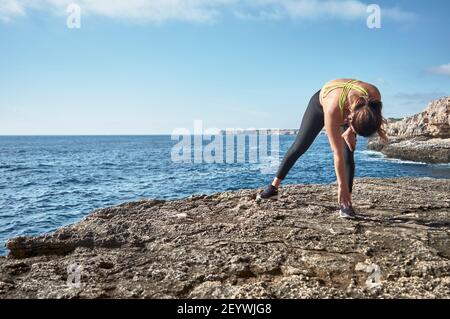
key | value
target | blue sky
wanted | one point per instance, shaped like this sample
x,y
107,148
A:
x,y
148,67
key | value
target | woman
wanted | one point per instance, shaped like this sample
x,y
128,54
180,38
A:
x,y
346,108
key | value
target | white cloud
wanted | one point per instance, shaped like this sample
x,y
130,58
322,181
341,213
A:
x,y
441,70
203,11
151,10
332,8
314,9
156,11
10,9
398,14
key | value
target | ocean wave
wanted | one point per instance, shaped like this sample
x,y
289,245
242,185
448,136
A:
x,y
40,168
380,157
107,164
269,165
400,161
73,181
17,168
369,152
384,159
28,184
44,166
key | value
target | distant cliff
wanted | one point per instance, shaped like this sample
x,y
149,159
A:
x,y
229,246
258,131
424,137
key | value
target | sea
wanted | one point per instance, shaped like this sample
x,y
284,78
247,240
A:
x,y
51,181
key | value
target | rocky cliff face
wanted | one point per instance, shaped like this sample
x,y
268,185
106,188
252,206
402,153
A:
x,y
229,246
424,137
433,122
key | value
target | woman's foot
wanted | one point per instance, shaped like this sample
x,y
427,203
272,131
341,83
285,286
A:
x,y
271,192
347,212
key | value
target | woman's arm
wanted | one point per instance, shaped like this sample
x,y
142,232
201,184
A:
x,y
349,137
333,129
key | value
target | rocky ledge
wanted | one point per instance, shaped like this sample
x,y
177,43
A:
x,y
229,246
424,137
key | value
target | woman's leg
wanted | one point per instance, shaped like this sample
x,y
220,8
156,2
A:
x,y
349,160
312,124
348,212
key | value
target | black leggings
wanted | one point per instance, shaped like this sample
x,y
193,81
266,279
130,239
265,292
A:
x,y
312,124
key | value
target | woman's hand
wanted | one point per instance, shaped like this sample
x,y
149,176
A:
x,y
350,139
344,197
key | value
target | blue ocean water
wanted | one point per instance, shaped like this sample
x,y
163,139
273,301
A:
x,y
48,182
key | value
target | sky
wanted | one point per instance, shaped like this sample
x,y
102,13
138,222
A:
x,y
151,66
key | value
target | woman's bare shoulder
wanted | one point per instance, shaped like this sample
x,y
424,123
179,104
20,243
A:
x,y
330,102
335,81
374,92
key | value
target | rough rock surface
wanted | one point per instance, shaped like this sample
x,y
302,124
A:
x,y
229,246
424,137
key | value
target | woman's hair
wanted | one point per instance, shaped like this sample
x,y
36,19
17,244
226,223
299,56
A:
x,y
368,119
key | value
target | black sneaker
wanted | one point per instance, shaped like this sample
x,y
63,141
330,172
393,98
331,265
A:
x,y
271,192
347,212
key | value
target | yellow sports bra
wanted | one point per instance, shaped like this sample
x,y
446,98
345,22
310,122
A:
x,y
346,88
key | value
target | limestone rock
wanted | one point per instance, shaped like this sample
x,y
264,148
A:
x,y
424,137
294,248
